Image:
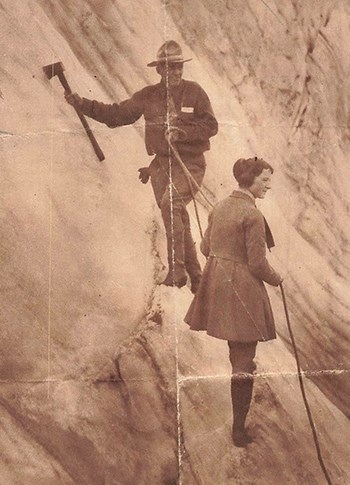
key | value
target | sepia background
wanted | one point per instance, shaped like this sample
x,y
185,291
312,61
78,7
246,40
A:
x,y
101,381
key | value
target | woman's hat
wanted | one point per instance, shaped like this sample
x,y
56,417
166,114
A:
x,y
169,52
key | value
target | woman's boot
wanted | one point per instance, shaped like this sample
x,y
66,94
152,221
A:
x,y
241,395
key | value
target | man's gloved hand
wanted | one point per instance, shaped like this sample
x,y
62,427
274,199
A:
x,y
144,174
74,100
174,134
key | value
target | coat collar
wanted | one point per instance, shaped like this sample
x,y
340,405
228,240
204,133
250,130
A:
x,y
269,238
241,195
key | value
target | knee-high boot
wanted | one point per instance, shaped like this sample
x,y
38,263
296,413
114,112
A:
x,y
176,255
241,395
174,228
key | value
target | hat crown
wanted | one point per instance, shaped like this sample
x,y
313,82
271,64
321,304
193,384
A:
x,y
170,51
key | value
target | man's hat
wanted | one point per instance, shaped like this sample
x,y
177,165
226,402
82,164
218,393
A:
x,y
169,52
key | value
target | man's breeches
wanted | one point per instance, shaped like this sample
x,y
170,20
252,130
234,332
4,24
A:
x,y
169,182
172,193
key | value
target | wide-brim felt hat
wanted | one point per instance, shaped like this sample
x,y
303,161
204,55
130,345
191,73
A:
x,y
170,52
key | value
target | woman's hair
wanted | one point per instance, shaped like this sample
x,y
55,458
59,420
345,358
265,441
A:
x,y
246,169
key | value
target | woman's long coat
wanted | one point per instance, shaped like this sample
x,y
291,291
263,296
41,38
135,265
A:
x,y
231,302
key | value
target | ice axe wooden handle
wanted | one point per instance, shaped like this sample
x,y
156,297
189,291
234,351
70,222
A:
x,y
57,70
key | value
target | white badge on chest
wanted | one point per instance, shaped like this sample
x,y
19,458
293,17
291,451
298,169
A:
x,y
187,109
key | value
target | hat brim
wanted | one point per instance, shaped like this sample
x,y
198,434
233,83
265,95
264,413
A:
x,y
155,63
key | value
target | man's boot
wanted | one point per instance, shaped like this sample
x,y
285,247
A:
x,y
241,395
176,259
192,265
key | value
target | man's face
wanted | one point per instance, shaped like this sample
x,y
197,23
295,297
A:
x,y
261,184
171,73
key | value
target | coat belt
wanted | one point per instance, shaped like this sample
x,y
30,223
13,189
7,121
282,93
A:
x,y
227,258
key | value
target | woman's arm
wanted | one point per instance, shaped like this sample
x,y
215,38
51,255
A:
x,y
255,239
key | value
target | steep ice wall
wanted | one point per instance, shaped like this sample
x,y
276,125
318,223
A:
x,y
67,265
82,244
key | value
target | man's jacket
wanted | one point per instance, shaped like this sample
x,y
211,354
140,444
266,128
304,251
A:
x,y
187,107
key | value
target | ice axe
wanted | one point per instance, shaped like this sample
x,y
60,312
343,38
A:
x,y
57,69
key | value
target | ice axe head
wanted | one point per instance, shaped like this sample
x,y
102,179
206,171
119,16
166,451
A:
x,y
57,69
52,70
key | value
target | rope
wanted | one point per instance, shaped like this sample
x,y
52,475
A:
x,y
301,383
189,175
191,181
196,210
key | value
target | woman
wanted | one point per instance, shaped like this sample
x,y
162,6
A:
x,y
231,302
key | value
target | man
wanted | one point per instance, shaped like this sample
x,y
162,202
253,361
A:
x,y
178,111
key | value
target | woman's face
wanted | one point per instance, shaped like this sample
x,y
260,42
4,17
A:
x,y
261,184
